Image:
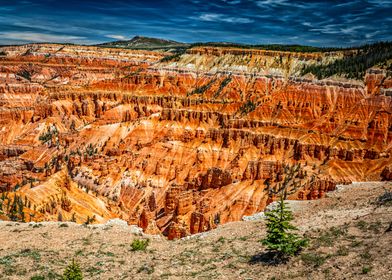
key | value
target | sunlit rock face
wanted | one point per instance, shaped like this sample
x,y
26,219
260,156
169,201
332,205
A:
x,y
181,146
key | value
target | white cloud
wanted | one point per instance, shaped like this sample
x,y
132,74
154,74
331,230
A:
x,y
270,3
39,37
338,29
314,41
372,34
349,3
275,3
117,37
232,2
381,3
223,18
351,29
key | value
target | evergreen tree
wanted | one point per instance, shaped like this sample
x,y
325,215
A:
x,y
73,272
280,238
354,64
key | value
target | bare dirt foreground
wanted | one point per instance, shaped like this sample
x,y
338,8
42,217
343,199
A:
x,y
347,231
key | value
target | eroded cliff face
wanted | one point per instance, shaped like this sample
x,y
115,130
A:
x,y
181,146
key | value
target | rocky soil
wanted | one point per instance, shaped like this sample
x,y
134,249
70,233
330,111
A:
x,y
347,232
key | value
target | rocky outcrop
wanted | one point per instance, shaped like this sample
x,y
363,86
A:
x,y
386,174
179,147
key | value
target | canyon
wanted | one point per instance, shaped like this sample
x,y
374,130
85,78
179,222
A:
x,y
179,144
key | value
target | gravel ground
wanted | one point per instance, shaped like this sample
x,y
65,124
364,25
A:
x,y
347,232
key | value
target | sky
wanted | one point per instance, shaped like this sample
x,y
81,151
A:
x,y
315,23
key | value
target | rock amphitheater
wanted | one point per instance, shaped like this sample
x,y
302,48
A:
x,y
180,146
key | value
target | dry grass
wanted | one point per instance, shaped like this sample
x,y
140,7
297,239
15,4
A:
x,y
347,233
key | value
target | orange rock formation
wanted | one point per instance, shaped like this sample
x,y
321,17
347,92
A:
x,y
179,147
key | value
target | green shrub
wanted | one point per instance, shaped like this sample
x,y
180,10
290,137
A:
x,y
385,199
280,238
73,271
203,88
342,251
329,237
247,107
173,57
146,269
313,259
223,84
139,244
37,277
366,269
362,225
25,74
221,239
366,255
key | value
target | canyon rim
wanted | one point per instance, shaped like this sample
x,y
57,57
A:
x,y
180,145
180,138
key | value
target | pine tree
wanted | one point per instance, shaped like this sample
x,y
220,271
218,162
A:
x,y
73,272
280,238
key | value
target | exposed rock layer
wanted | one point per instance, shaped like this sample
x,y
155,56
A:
x,y
180,147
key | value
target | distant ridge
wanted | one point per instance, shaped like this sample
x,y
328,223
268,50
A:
x,y
158,44
177,48
141,42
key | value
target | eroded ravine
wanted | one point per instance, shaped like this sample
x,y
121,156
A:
x,y
179,147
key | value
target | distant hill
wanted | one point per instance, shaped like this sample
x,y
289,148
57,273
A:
x,y
271,47
140,42
149,43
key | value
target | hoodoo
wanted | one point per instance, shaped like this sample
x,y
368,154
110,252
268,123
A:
x,y
178,144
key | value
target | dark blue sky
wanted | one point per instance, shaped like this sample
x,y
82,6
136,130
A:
x,y
317,23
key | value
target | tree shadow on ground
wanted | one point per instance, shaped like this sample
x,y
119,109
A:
x,y
268,258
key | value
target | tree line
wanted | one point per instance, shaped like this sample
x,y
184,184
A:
x,y
354,65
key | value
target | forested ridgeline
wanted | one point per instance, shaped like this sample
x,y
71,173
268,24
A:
x,y
354,64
